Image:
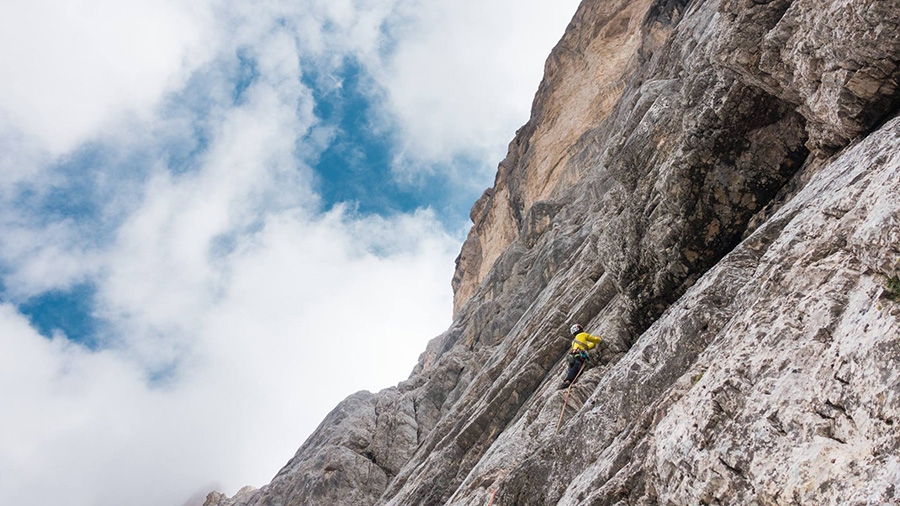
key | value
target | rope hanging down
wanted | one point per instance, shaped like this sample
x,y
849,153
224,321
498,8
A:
x,y
568,391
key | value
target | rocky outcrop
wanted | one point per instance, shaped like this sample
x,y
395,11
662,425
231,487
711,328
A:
x,y
773,380
712,186
584,78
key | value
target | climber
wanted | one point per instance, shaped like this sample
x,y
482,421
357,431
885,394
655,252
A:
x,y
581,343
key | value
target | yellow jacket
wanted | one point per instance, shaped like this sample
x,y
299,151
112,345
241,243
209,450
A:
x,y
584,341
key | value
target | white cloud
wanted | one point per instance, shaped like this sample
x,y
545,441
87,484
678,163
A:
x,y
307,315
465,72
71,67
460,80
313,315
237,313
46,257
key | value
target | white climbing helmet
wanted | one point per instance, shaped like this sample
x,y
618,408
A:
x,y
576,329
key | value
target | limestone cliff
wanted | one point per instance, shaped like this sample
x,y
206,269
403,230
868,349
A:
x,y
713,186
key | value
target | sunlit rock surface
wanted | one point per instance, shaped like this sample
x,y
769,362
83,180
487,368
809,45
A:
x,y
714,188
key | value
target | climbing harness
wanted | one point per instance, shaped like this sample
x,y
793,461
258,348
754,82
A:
x,y
581,353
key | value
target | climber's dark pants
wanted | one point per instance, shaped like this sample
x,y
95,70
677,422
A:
x,y
575,363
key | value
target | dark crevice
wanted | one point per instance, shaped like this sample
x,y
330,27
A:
x,y
839,408
667,12
733,469
823,414
776,424
881,111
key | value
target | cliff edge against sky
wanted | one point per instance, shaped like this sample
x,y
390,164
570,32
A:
x,y
712,187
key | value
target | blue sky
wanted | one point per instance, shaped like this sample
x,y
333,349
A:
x,y
356,166
66,311
196,197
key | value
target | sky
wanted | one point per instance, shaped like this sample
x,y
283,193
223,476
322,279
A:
x,y
220,218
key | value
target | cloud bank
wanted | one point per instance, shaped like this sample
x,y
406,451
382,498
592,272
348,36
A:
x,y
163,157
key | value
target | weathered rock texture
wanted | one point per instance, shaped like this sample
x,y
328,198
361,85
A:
x,y
714,188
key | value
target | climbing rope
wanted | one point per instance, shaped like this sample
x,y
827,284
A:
x,y
568,391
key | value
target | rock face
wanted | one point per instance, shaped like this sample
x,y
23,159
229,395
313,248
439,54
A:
x,y
714,188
